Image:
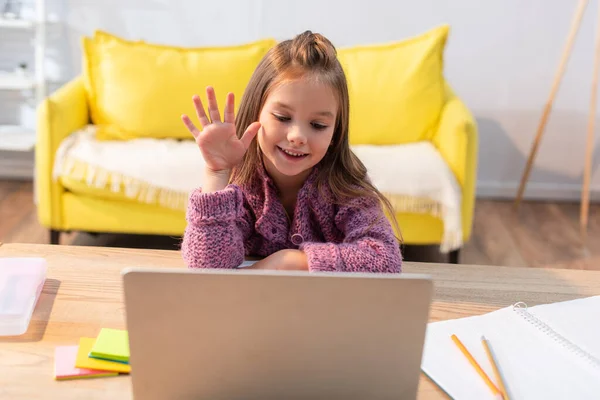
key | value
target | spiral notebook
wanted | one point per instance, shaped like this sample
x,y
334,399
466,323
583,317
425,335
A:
x,y
549,351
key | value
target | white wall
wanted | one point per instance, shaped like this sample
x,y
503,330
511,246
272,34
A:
x,y
501,58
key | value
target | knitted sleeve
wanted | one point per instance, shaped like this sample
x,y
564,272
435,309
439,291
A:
x,y
218,224
369,243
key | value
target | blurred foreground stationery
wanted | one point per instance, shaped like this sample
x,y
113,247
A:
x,y
496,367
475,365
84,361
111,344
64,365
21,283
550,351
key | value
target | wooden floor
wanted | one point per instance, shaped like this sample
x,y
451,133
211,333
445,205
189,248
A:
x,y
540,234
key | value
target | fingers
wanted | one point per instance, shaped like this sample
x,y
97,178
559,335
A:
x,y
250,133
229,113
213,111
200,111
213,107
190,126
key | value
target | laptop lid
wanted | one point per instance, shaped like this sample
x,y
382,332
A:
x,y
250,334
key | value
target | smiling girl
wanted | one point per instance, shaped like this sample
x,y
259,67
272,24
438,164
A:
x,y
281,181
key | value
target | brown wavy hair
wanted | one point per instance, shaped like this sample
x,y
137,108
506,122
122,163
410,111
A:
x,y
309,56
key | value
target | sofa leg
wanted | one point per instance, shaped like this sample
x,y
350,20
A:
x,y
453,257
54,236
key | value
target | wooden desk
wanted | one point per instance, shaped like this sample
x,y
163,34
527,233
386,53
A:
x,y
83,294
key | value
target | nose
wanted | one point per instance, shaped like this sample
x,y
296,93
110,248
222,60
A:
x,y
296,136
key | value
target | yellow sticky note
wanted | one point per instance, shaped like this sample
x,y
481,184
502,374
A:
x,y
64,365
111,344
84,361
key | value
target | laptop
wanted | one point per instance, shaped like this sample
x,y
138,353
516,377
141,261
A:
x,y
254,334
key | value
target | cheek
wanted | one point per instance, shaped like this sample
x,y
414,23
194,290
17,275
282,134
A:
x,y
270,130
323,142
263,118
266,136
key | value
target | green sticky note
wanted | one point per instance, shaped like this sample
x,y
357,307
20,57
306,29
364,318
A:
x,y
111,344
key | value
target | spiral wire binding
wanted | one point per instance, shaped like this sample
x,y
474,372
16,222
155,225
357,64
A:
x,y
521,309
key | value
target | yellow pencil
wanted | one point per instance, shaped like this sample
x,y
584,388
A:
x,y
496,366
475,365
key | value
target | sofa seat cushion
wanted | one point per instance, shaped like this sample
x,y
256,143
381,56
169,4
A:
x,y
414,177
145,170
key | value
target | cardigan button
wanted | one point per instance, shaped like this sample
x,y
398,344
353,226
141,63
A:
x,y
297,239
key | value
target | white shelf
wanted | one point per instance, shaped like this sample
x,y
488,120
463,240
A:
x,y
16,23
16,138
17,143
13,81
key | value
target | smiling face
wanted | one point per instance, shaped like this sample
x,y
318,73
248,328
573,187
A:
x,y
298,121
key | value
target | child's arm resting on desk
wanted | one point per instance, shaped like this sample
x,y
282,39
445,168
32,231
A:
x,y
369,244
218,225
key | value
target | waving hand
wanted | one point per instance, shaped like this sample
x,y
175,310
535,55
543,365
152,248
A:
x,y
218,142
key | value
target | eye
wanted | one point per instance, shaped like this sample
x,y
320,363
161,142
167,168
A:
x,y
318,126
281,118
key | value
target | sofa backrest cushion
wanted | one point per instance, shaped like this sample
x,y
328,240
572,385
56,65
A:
x,y
136,89
396,89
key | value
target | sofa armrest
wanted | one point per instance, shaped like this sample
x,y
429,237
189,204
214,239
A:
x,y
457,141
59,115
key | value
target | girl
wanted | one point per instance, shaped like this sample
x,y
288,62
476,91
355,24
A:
x,y
296,195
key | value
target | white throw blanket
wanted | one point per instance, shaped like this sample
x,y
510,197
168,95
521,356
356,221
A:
x,y
413,176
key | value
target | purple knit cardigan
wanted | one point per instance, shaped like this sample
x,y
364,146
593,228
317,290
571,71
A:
x,y
224,226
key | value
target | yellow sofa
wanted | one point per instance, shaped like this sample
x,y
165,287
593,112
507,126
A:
x,y
72,206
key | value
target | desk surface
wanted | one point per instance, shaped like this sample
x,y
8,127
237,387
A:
x,y
83,294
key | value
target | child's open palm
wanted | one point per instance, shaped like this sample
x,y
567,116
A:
x,y
218,142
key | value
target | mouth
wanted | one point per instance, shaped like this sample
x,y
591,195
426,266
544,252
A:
x,y
292,155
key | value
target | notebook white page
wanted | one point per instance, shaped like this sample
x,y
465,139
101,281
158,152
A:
x,y
246,264
577,320
533,364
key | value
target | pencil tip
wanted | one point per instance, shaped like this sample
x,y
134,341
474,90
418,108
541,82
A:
x,y
482,337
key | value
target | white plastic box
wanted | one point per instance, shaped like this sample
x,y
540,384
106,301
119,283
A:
x,y
21,282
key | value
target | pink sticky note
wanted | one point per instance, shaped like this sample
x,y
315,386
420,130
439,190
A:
x,y
64,365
